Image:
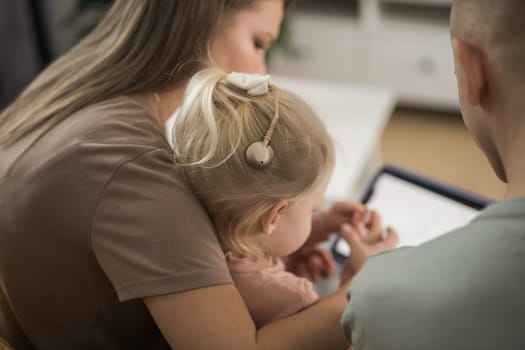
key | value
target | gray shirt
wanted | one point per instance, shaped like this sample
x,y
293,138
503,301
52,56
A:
x,y
464,290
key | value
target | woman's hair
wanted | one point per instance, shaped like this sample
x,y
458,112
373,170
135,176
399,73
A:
x,y
215,125
138,47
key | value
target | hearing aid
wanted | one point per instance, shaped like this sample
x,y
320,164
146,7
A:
x,y
259,155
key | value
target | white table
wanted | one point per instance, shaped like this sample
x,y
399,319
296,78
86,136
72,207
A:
x,y
355,116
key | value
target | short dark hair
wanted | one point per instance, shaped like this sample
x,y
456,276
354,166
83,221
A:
x,y
496,25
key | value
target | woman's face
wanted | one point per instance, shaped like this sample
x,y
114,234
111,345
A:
x,y
243,37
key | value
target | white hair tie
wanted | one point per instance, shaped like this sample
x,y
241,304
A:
x,y
254,84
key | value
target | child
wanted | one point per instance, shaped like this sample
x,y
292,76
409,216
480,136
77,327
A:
x,y
259,160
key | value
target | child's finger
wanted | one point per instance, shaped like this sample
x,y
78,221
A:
x,y
347,207
374,227
389,241
316,267
390,238
357,255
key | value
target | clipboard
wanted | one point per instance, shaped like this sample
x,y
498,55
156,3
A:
x,y
417,207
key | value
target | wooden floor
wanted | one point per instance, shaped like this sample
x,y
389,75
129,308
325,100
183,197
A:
x,y
439,146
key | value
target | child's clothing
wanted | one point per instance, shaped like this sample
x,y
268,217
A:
x,y
269,291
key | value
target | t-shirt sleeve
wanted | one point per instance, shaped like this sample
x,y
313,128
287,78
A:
x,y
151,236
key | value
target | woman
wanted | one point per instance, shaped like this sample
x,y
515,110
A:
x,y
101,245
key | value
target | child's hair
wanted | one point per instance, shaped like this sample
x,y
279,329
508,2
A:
x,y
216,123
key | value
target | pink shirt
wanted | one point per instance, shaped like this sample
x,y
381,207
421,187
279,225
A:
x,y
269,291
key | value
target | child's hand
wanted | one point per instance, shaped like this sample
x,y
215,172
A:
x,y
326,222
361,246
312,262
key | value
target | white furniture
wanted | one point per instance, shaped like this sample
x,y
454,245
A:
x,y
400,45
355,117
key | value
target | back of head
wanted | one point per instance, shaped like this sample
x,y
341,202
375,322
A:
x,y
497,26
217,123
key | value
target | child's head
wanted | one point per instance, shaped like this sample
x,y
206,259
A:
x,y
489,51
217,122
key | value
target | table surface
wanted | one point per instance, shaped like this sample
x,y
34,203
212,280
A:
x,y
355,116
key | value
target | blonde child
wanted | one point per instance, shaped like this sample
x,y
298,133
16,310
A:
x,y
259,160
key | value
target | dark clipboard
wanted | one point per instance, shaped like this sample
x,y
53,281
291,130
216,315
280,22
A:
x,y
455,194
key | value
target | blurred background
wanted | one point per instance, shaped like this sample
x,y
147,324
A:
x,y
34,32
401,46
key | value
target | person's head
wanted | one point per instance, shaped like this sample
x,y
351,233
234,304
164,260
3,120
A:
x,y
489,51
144,47
245,33
255,210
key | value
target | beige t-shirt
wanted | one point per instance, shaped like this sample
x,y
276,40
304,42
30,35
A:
x,y
93,218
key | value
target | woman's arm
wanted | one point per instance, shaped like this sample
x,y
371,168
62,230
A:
x,y
216,318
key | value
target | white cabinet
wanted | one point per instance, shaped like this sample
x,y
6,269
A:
x,y
401,45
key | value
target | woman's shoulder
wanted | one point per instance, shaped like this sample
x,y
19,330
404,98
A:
x,y
120,120
111,132
90,146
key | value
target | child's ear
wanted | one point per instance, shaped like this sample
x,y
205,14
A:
x,y
270,219
471,63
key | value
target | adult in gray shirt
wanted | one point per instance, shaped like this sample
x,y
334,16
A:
x,y
466,289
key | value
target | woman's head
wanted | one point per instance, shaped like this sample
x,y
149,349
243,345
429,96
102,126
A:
x,y
244,34
218,121
138,47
